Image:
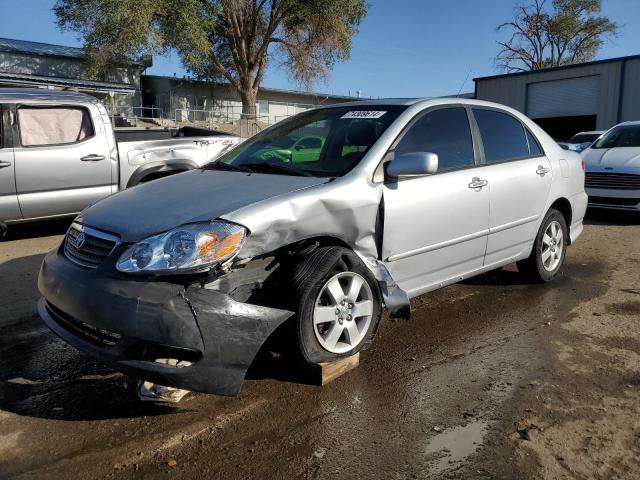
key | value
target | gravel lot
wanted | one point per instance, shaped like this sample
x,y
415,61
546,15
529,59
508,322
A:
x,y
492,378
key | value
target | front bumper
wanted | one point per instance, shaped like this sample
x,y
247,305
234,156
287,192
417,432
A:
x,y
130,322
614,198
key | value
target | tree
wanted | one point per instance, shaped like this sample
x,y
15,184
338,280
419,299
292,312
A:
x,y
230,40
547,35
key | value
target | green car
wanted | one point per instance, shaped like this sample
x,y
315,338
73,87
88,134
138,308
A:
x,y
293,149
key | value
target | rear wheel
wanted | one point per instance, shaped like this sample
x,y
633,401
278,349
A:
x,y
338,305
549,249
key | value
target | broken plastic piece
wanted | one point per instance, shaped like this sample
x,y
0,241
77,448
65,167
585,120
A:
x,y
152,392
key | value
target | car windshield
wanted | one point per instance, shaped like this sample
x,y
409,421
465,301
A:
x,y
622,136
325,142
584,137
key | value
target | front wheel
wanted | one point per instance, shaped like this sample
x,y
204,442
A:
x,y
338,305
549,249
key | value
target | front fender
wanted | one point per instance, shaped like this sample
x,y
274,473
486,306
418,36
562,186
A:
x,y
160,167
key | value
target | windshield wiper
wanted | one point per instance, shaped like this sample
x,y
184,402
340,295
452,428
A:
x,y
227,166
278,167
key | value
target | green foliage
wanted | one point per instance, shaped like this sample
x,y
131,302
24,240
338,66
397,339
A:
x,y
232,40
549,34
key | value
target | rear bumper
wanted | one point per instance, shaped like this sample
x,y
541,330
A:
x,y
578,208
130,323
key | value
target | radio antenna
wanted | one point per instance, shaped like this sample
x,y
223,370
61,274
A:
x,y
463,83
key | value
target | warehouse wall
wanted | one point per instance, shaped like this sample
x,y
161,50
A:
x,y
631,99
512,90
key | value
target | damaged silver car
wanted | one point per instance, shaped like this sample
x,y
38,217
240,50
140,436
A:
x,y
317,223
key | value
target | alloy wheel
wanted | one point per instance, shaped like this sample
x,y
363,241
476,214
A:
x,y
552,246
343,311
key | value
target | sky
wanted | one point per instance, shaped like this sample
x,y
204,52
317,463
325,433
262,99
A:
x,y
405,48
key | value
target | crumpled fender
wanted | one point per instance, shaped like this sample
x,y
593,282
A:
x,y
347,208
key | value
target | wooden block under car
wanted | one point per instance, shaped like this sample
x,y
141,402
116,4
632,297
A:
x,y
326,372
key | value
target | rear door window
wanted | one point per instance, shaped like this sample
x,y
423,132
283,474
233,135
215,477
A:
x,y
446,133
53,126
503,136
534,146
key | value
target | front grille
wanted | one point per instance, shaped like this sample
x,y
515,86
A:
x,y
86,246
94,335
615,181
621,202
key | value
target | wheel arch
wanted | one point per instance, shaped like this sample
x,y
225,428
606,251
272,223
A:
x,y
564,207
160,168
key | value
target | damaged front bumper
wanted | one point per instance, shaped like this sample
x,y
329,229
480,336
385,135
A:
x,y
130,323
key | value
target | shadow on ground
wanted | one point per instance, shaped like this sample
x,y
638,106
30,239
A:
x,y
45,228
601,216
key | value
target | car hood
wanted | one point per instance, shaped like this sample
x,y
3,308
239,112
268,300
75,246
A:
x,y
620,157
195,196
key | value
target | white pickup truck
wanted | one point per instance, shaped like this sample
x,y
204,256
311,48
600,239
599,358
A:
x,y
59,153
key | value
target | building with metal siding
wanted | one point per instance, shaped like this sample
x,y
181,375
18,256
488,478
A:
x,y
178,97
34,64
566,100
127,93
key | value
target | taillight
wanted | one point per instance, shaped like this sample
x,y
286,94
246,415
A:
x,y
584,167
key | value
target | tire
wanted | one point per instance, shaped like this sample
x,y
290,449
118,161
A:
x,y
325,319
549,249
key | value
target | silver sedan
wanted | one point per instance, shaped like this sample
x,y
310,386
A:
x,y
316,223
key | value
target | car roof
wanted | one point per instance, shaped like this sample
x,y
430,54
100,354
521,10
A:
x,y
14,95
590,132
424,102
632,122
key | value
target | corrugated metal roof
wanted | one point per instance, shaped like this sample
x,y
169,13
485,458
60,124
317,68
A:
x,y
22,78
37,48
561,67
11,45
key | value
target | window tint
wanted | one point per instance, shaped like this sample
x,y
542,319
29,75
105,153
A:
x,y
53,126
502,136
534,146
310,142
444,132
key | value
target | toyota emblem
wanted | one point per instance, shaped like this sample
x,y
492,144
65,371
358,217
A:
x,y
80,239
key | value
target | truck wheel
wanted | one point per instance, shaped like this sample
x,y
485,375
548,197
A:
x,y
338,304
549,249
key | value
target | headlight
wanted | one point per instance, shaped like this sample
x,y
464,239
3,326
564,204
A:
x,y
189,248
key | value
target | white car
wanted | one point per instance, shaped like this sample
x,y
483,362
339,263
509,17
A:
x,y
581,140
613,168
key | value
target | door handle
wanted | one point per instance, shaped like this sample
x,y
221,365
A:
x,y
542,171
477,183
92,158
5,164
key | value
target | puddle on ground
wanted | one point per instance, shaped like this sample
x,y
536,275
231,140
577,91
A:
x,y
455,444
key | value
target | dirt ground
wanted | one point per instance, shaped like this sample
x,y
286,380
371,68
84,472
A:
x,y
492,378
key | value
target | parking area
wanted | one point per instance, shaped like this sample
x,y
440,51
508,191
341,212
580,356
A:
x,y
491,378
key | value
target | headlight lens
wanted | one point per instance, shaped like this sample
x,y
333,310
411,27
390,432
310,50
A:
x,y
194,247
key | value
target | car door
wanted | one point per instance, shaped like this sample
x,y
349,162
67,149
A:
x,y
62,161
436,226
9,208
519,177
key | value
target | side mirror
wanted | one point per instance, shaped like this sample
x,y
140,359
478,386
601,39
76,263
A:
x,y
413,164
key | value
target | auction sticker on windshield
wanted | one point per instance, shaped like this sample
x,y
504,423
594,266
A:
x,y
363,114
